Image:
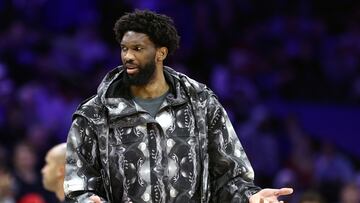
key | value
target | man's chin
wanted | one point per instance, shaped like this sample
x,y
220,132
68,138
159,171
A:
x,y
134,80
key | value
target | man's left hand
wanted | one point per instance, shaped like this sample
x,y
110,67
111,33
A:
x,y
269,195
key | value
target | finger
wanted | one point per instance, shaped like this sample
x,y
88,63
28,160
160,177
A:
x,y
276,201
95,199
283,191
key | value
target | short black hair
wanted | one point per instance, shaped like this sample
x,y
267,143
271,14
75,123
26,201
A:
x,y
160,28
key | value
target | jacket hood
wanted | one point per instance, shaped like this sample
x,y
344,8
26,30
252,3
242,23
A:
x,y
116,96
109,78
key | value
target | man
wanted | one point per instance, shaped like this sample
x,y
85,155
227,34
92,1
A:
x,y
53,172
152,134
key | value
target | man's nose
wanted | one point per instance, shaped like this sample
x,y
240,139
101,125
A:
x,y
128,56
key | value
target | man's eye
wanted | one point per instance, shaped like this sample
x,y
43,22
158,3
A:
x,y
123,49
138,48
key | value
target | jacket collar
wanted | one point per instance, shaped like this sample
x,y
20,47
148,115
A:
x,y
117,97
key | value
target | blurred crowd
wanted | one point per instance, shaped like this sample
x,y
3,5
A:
x,y
54,53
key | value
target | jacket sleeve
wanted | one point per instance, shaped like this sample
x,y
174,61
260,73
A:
x,y
231,174
83,168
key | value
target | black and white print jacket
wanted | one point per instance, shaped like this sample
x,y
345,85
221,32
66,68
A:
x,y
188,153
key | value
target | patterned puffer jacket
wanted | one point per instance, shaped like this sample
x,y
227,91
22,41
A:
x,y
188,152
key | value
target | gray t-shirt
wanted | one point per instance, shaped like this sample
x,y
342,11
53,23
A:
x,y
151,105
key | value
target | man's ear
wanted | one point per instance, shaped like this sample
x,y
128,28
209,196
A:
x,y
61,170
161,54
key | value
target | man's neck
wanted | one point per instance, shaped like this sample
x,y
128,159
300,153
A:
x,y
60,193
155,88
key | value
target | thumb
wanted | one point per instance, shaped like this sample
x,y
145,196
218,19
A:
x,y
284,191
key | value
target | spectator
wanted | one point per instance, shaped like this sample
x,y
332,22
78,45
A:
x,y
53,172
350,193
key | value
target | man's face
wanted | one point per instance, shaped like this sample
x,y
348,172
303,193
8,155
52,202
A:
x,y
50,172
138,56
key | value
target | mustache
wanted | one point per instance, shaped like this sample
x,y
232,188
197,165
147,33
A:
x,y
129,62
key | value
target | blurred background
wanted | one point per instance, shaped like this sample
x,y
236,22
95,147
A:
x,y
287,72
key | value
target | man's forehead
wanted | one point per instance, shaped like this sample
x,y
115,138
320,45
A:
x,y
53,152
50,153
49,156
135,37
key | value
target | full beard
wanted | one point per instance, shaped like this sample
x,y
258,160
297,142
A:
x,y
143,77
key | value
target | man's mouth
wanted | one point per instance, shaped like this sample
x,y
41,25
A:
x,y
131,68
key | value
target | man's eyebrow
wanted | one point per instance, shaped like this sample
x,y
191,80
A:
x,y
136,44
